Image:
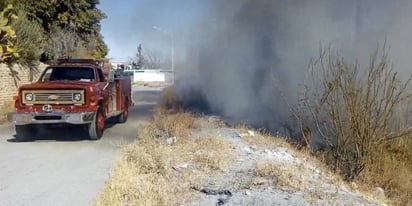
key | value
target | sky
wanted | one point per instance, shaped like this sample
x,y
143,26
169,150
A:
x,y
130,23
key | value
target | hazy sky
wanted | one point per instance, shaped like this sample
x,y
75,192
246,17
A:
x,y
131,22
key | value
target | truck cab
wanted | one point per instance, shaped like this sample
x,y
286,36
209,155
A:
x,y
73,91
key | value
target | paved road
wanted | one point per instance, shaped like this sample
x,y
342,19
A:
x,y
62,167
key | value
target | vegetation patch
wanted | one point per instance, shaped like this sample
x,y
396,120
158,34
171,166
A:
x,y
4,109
154,171
359,113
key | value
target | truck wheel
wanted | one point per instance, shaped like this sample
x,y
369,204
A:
x,y
25,132
96,128
122,118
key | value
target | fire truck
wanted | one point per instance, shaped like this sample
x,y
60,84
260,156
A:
x,y
76,92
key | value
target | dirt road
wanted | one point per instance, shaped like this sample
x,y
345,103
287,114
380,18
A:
x,y
62,167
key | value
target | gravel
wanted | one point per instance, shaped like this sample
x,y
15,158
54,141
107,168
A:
x,y
313,187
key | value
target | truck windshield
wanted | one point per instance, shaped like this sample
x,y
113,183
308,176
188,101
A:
x,y
68,74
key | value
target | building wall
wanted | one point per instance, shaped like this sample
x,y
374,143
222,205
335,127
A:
x,y
149,77
10,79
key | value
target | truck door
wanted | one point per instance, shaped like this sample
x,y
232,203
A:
x,y
106,90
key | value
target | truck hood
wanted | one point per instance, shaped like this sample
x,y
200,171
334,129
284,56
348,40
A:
x,y
58,85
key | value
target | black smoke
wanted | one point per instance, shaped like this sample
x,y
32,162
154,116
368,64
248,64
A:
x,y
247,58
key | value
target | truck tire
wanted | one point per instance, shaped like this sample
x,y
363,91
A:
x,y
122,118
25,132
96,128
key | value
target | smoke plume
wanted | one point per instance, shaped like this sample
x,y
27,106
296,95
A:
x,y
247,58
244,59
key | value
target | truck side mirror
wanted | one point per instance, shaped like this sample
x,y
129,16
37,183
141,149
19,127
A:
x,y
110,77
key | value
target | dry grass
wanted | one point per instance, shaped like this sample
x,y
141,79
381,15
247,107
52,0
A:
x,y
169,102
149,171
4,109
285,177
392,170
269,169
141,176
212,153
177,125
265,141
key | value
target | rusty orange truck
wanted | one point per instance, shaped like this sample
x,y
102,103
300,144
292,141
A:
x,y
72,91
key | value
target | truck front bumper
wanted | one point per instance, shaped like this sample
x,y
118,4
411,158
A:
x,y
52,118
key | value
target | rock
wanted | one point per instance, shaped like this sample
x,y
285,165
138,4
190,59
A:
x,y
378,192
159,133
183,165
180,167
273,181
211,183
251,133
248,150
243,134
171,140
236,135
177,169
260,181
212,119
354,186
247,192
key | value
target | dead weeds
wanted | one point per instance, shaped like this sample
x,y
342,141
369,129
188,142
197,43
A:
x,y
265,141
391,170
4,109
153,172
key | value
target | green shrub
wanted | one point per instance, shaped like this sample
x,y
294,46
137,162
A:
x,y
29,39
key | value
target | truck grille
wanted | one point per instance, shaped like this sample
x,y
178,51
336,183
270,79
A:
x,y
60,97
52,97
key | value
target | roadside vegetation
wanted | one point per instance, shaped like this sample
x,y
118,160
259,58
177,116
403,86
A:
x,y
4,109
28,34
361,112
165,162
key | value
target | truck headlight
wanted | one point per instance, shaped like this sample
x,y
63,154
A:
x,y
77,97
29,97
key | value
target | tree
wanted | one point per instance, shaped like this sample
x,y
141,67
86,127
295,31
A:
x,y
65,43
139,57
79,17
148,59
30,39
7,34
152,59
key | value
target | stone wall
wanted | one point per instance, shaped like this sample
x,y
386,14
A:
x,y
10,79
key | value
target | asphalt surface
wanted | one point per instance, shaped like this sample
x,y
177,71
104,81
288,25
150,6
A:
x,y
63,167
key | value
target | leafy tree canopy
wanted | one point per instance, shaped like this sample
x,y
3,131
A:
x,y
80,18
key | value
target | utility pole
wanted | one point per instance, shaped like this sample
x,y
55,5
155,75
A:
x,y
173,60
